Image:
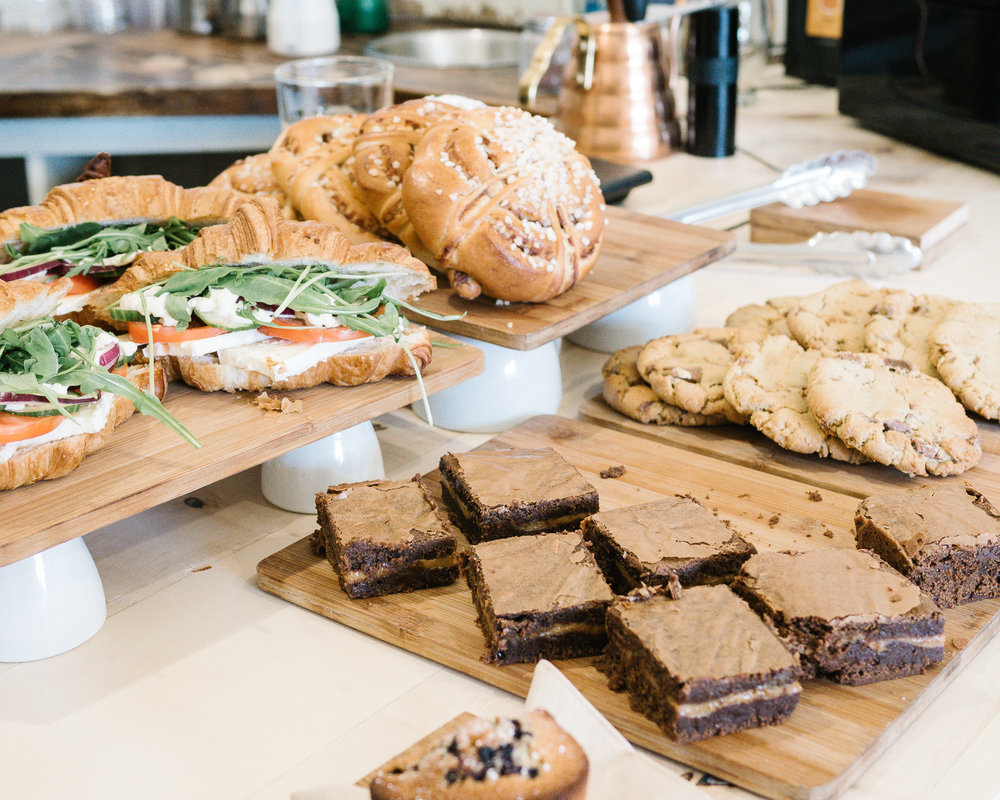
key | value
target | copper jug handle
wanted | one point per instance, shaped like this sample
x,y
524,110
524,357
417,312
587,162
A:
x,y
542,58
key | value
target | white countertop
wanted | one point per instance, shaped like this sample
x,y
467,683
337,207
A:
x,y
200,685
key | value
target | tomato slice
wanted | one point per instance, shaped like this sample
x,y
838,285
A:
x,y
83,284
139,334
14,428
294,330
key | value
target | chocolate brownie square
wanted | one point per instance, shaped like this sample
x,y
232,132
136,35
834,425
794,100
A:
x,y
498,493
701,665
383,537
647,544
538,596
849,615
946,539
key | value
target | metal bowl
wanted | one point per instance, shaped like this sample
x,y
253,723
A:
x,y
445,48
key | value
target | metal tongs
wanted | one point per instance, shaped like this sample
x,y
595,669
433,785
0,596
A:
x,y
859,253
817,181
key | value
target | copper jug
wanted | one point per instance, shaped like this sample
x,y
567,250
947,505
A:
x,y
615,100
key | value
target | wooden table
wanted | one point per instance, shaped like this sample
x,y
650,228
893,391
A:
x,y
65,96
202,686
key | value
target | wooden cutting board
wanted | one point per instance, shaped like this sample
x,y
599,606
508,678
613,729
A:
x,y
922,220
146,464
835,732
640,254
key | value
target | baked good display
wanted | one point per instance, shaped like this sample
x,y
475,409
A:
x,y
625,391
964,350
493,494
382,537
505,758
281,304
892,414
652,543
945,539
383,152
505,204
93,229
767,385
700,665
849,615
313,162
835,318
253,176
903,331
687,370
539,596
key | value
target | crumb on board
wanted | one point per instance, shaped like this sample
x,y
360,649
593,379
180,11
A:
x,y
774,520
815,496
614,471
201,569
827,533
743,495
278,404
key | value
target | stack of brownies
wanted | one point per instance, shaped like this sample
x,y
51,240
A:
x,y
706,635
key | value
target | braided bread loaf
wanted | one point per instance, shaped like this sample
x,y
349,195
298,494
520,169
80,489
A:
x,y
505,204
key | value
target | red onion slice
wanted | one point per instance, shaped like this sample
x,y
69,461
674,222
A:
x,y
26,272
110,356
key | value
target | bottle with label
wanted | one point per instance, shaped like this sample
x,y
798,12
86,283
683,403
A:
x,y
812,46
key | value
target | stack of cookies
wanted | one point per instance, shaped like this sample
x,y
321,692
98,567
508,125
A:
x,y
495,198
855,373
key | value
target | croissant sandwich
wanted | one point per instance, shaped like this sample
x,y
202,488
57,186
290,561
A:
x,y
64,387
265,302
92,230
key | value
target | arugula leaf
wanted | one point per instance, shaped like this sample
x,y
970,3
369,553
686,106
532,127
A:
x,y
42,240
38,353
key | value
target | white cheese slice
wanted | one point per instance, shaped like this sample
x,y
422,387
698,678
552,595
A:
x,y
210,344
71,303
92,418
281,359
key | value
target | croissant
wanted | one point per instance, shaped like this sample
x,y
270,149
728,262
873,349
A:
x,y
505,204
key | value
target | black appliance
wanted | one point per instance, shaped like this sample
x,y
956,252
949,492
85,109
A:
x,y
926,72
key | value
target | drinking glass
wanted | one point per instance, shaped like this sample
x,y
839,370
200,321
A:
x,y
311,87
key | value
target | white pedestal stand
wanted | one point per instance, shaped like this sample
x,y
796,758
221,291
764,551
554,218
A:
x,y
665,311
50,602
514,385
292,480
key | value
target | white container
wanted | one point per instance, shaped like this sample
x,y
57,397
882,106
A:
x,y
50,602
292,480
514,385
302,28
666,311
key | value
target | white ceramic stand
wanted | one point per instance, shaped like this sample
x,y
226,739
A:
x,y
667,310
292,480
50,602
514,385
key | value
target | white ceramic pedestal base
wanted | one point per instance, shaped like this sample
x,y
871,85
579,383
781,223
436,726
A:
x,y
291,481
514,385
50,603
668,310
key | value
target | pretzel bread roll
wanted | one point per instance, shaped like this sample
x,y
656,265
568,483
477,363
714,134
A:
x,y
313,162
259,234
135,198
383,152
253,176
506,204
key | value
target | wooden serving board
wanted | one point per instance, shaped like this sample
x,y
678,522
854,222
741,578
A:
x,y
835,732
640,254
146,463
922,220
